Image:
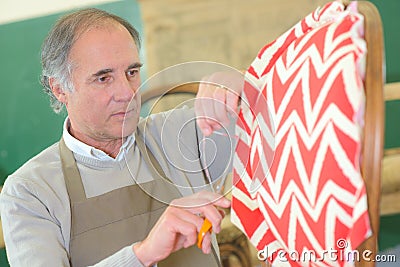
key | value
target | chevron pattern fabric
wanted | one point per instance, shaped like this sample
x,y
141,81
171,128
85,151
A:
x,y
298,192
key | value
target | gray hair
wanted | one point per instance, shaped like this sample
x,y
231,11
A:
x,y
58,44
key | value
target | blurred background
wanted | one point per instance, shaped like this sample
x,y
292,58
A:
x,y
174,31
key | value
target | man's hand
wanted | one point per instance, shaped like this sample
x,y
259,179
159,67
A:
x,y
217,99
179,225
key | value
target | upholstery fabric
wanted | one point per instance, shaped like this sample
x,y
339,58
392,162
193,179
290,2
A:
x,y
298,192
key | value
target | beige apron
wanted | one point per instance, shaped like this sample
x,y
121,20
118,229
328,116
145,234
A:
x,y
102,225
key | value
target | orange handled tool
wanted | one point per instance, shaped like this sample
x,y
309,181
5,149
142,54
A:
x,y
206,227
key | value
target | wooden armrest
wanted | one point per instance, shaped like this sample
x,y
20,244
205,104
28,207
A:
x,y
392,91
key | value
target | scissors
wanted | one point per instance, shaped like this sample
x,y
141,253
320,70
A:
x,y
207,225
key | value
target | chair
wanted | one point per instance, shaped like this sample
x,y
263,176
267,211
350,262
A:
x,y
372,152
373,133
390,195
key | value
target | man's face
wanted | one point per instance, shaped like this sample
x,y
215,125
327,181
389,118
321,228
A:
x,y
105,75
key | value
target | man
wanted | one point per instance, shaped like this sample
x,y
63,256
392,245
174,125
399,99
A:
x,y
94,198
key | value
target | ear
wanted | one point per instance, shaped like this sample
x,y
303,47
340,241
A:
x,y
57,90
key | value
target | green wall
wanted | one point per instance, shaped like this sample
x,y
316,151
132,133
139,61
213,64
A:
x,y
389,10
27,123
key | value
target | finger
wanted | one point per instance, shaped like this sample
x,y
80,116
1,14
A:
x,y
222,212
220,108
206,244
200,199
203,229
213,216
232,102
190,217
209,111
200,119
200,224
175,223
201,109
211,197
204,203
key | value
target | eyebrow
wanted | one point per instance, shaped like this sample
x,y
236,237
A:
x,y
135,65
105,71
102,72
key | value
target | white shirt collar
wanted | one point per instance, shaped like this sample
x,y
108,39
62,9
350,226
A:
x,y
85,150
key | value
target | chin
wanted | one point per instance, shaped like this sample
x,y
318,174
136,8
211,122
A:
x,y
129,126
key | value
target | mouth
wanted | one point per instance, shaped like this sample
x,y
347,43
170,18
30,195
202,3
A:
x,y
124,113
131,110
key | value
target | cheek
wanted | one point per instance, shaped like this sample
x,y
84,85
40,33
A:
x,y
135,84
89,107
98,100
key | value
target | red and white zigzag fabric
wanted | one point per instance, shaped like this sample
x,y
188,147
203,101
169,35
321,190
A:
x,y
298,193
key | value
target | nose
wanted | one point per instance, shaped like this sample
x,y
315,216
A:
x,y
124,90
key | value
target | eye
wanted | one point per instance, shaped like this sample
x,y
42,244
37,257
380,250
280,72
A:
x,y
132,73
102,79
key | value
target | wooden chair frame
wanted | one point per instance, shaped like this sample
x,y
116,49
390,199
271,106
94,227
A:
x,y
372,149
